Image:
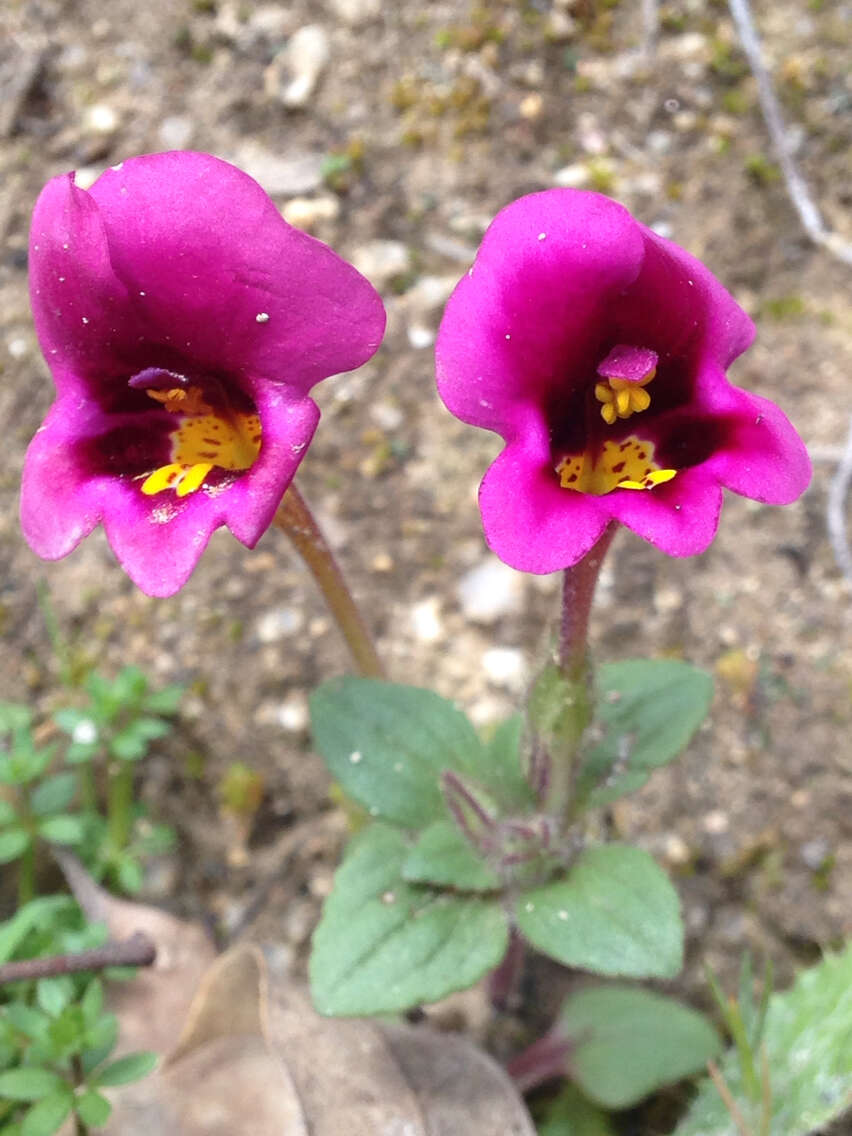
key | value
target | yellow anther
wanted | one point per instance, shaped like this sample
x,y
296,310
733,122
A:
x,y
603,392
622,403
180,400
622,398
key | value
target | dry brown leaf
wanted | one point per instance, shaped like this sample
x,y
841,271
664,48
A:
x,y
247,1054
255,1059
152,1008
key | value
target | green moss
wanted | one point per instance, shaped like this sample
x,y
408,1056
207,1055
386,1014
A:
x,y
761,170
784,307
727,61
736,101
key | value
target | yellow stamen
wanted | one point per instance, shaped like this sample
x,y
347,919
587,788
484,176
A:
x,y
622,398
180,400
628,464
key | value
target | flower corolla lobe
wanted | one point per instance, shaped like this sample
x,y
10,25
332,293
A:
x,y
597,350
184,323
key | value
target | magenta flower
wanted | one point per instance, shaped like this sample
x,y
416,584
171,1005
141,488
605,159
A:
x,y
597,350
184,322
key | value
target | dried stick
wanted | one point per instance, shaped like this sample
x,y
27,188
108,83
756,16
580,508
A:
x,y
650,27
138,950
835,510
808,212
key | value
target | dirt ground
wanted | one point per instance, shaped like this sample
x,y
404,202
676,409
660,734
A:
x,y
422,123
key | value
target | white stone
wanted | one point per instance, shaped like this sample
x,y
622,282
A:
x,y
426,620
505,666
306,57
281,175
293,714
572,177
490,591
387,416
306,212
278,624
716,822
18,346
271,20
175,132
381,260
355,12
420,336
100,118
430,293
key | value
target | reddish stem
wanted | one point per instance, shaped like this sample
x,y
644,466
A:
x,y
578,590
296,520
544,1060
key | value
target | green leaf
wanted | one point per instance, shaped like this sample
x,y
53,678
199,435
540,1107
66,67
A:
x,y
36,913
502,771
571,1114
650,708
63,829
13,717
7,812
128,745
13,842
54,994
29,1084
126,1069
93,1109
626,1042
92,1001
54,794
387,745
443,856
616,913
165,701
808,1039
32,1023
48,1116
383,945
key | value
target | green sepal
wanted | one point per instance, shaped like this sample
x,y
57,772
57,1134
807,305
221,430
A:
x,y
444,857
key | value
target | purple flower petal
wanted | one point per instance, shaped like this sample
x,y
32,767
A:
x,y
184,322
597,350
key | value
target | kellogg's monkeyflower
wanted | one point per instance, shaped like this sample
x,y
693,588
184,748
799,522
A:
x,y
184,322
597,350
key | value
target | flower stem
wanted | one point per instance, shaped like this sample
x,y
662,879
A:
x,y
26,875
578,590
296,520
503,980
119,802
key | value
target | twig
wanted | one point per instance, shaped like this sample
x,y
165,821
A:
x,y
138,950
729,1102
650,27
835,510
808,212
